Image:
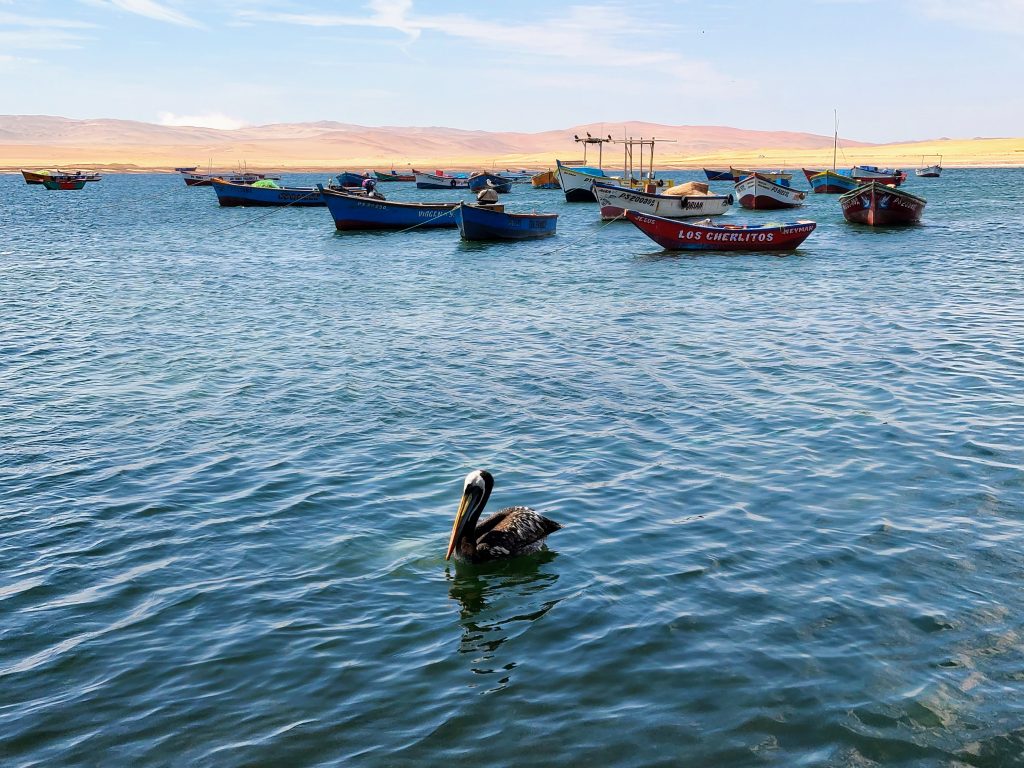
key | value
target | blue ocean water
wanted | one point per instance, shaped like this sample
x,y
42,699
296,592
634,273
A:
x,y
232,442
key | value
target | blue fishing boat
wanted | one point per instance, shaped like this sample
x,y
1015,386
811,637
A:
x,y
483,180
718,175
361,212
490,222
265,193
832,183
348,179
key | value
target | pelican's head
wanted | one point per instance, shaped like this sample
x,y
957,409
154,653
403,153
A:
x,y
476,489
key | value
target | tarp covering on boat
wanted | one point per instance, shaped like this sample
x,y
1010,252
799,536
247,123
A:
x,y
688,189
267,184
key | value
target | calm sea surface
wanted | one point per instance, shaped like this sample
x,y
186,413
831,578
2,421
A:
x,y
791,487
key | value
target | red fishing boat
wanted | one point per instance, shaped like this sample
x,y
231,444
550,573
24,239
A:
x,y
676,235
758,192
880,205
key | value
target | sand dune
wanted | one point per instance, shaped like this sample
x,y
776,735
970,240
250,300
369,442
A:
x,y
44,141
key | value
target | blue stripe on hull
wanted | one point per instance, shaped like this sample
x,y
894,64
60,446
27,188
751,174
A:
x,y
361,213
231,195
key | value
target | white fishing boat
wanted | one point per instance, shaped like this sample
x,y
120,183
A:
x,y
758,192
440,181
929,171
616,200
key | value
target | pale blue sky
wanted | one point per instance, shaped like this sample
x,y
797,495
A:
x,y
894,69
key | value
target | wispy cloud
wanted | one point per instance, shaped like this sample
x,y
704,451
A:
x,y
150,9
1005,16
209,120
576,35
19,20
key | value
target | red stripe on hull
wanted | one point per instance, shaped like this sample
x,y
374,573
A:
x,y
765,203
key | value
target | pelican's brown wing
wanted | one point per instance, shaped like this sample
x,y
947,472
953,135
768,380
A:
x,y
512,531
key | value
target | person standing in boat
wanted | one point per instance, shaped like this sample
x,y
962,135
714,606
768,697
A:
x,y
370,188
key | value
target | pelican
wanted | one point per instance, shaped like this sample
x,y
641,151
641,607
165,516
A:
x,y
510,532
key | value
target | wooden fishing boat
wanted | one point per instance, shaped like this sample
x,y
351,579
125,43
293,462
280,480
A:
x,y
349,179
880,205
738,174
832,183
761,193
718,175
352,212
394,176
576,182
866,173
187,168
265,193
35,177
61,183
440,180
545,180
929,171
616,200
491,222
676,235
483,180
206,179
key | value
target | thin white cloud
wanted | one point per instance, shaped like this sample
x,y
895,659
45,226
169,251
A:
x,y
150,9
1005,16
18,20
41,39
209,120
577,35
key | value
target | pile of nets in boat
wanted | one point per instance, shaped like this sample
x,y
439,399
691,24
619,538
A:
x,y
267,184
689,189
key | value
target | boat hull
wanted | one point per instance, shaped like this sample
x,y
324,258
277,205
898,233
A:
x,y
615,201
246,195
682,236
831,183
545,180
381,176
478,222
879,205
931,172
740,173
759,193
435,181
352,212
35,177
576,182
718,175
490,181
63,184
866,173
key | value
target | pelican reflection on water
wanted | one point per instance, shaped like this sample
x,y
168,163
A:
x,y
507,533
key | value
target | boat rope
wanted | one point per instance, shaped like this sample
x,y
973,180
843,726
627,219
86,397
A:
x,y
421,223
587,236
265,215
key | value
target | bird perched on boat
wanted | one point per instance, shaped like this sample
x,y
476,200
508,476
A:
x,y
507,533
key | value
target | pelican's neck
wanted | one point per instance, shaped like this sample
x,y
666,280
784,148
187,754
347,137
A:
x,y
466,546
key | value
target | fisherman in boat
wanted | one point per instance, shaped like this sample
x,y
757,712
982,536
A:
x,y
370,188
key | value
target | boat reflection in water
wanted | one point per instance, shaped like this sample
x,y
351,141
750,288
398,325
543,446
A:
x,y
499,601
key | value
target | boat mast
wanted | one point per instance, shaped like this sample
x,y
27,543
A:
x,y
835,137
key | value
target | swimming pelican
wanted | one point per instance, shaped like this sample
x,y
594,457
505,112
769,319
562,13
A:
x,y
510,532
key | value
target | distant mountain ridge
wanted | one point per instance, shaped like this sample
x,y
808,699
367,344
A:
x,y
42,139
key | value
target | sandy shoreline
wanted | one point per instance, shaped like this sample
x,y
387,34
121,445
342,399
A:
x,y
289,156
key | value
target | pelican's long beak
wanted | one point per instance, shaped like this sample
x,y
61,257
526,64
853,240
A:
x,y
460,521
